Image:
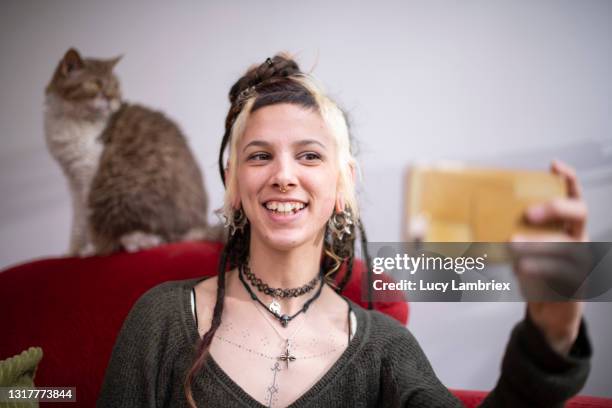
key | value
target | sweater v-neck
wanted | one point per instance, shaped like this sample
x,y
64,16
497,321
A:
x,y
310,395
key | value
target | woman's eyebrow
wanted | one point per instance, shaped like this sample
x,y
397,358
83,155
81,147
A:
x,y
307,142
256,143
303,142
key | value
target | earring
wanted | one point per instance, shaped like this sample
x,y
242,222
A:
x,y
340,224
237,222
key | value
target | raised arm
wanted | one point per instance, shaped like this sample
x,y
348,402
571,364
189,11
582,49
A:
x,y
533,374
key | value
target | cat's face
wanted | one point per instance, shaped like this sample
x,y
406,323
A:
x,y
86,86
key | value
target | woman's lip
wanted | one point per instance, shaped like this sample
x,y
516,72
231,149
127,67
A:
x,y
284,200
284,218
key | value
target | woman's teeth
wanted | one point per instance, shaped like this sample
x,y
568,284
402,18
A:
x,y
284,208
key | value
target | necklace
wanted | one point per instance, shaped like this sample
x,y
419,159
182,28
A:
x,y
287,357
278,292
261,286
270,357
288,341
284,319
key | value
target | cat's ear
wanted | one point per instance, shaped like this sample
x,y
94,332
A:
x,y
72,61
113,61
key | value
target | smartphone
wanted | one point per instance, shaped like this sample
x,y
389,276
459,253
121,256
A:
x,y
459,203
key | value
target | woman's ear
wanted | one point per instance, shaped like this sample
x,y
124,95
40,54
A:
x,y
340,204
235,198
233,190
234,201
352,172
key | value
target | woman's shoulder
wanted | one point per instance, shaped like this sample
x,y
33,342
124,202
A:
x,y
378,320
383,330
162,301
206,287
162,292
395,346
155,335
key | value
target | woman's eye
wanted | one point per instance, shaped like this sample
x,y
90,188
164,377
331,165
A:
x,y
311,156
259,156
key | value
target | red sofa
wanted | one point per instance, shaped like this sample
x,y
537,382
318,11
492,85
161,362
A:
x,y
74,307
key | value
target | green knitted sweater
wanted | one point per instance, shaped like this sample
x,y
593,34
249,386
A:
x,y
383,366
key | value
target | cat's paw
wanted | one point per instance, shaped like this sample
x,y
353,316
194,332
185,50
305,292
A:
x,y
138,240
87,250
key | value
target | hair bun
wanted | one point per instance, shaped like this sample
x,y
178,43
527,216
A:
x,y
279,66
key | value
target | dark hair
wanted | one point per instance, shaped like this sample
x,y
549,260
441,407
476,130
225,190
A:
x,y
271,83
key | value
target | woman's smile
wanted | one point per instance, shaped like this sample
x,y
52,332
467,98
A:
x,y
284,210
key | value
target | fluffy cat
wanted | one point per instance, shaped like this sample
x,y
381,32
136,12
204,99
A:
x,y
133,179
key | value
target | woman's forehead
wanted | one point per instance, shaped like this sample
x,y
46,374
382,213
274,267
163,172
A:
x,y
285,124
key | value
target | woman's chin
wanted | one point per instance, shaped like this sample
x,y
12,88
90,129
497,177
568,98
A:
x,y
286,240
285,243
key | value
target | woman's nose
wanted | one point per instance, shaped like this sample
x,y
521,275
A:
x,y
284,174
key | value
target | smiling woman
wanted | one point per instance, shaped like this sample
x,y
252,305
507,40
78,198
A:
x,y
273,329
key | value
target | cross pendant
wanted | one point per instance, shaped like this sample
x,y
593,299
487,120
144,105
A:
x,y
287,358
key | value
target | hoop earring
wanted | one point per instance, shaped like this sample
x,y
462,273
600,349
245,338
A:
x,y
340,224
237,222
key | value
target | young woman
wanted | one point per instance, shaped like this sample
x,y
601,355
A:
x,y
272,329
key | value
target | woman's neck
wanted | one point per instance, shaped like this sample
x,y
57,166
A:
x,y
285,269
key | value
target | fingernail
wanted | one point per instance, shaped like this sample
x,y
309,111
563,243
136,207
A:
x,y
536,213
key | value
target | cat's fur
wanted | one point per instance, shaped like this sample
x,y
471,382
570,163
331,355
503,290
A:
x,y
133,179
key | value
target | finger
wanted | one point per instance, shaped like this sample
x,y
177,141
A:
x,y
544,267
545,245
553,246
568,173
520,241
542,274
560,209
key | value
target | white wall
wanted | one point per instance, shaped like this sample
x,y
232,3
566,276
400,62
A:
x,y
509,83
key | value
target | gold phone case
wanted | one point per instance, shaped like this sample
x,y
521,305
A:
x,y
463,204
